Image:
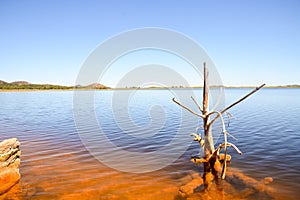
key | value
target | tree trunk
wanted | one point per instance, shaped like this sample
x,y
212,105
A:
x,y
209,143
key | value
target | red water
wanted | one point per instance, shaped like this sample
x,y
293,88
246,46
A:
x,y
55,165
65,175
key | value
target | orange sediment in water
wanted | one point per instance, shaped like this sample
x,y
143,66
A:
x,y
65,175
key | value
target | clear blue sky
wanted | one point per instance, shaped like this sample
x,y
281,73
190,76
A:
x,y
251,42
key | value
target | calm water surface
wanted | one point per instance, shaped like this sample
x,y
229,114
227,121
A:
x,y
55,164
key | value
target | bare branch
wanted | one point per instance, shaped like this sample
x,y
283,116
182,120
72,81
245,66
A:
x,y
232,136
225,156
188,109
229,145
246,96
221,117
198,160
197,104
238,101
194,134
198,138
229,115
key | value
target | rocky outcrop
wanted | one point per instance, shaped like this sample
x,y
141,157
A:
x,y
192,182
9,164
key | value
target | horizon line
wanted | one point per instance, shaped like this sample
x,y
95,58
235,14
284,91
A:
x,y
155,86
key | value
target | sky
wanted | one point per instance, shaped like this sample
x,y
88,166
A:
x,y
250,42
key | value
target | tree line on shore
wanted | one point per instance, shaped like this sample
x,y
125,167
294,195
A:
x,y
23,85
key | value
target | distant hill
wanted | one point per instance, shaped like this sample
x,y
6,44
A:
x,y
293,86
286,86
24,85
2,82
97,86
93,86
20,83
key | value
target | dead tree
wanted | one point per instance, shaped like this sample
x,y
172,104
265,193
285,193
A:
x,y
215,164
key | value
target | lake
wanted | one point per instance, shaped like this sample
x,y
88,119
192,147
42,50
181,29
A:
x,y
144,148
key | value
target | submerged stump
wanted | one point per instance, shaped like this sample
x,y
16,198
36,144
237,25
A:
x,y
214,163
237,185
9,164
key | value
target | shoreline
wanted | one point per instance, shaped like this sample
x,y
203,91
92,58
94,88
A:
x,y
164,88
30,90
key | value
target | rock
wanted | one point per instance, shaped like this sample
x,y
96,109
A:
x,y
267,180
9,164
250,185
188,189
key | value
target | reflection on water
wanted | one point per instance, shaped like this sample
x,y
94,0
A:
x,y
55,164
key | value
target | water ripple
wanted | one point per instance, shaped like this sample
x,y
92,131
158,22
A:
x,y
55,162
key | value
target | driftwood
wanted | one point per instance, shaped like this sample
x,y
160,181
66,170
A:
x,y
212,161
9,164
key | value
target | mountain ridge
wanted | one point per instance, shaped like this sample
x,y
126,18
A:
x,y
24,85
